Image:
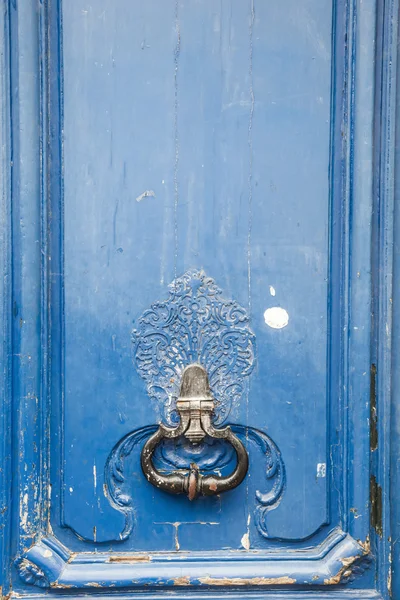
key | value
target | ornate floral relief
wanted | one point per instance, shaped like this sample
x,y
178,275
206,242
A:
x,y
194,325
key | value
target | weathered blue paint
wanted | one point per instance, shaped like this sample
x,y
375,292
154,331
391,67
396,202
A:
x,y
148,140
388,467
60,569
30,412
5,306
210,212
385,450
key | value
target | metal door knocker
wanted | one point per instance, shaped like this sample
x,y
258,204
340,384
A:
x,y
195,407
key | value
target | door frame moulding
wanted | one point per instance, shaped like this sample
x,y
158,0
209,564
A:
x,y
28,40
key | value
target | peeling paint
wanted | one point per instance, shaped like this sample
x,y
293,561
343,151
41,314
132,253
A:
x,y
176,536
349,560
140,558
366,546
245,541
343,572
373,419
247,580
146,194
347,573
184,580
24,511
376,505
94,477
335,579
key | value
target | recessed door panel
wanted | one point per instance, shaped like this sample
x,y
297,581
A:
x,y
197,137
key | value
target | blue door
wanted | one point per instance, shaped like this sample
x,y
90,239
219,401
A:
x,y
197,210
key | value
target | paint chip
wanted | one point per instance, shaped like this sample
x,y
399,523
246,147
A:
x,y
276,317
272,290
321,470
146,194
245,541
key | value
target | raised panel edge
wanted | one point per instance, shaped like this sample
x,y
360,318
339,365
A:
x,y
5,302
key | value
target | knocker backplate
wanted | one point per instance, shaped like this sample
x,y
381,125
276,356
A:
x,y
194,325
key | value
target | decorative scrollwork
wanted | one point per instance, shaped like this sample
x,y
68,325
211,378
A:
x,y
119,490
31,573
120,498
195,325
275,472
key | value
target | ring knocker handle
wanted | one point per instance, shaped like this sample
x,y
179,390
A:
x,y
195,406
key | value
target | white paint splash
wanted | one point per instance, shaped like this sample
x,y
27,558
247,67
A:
x,y
276,317
272,290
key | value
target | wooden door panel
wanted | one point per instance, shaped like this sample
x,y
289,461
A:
x,y
196,137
